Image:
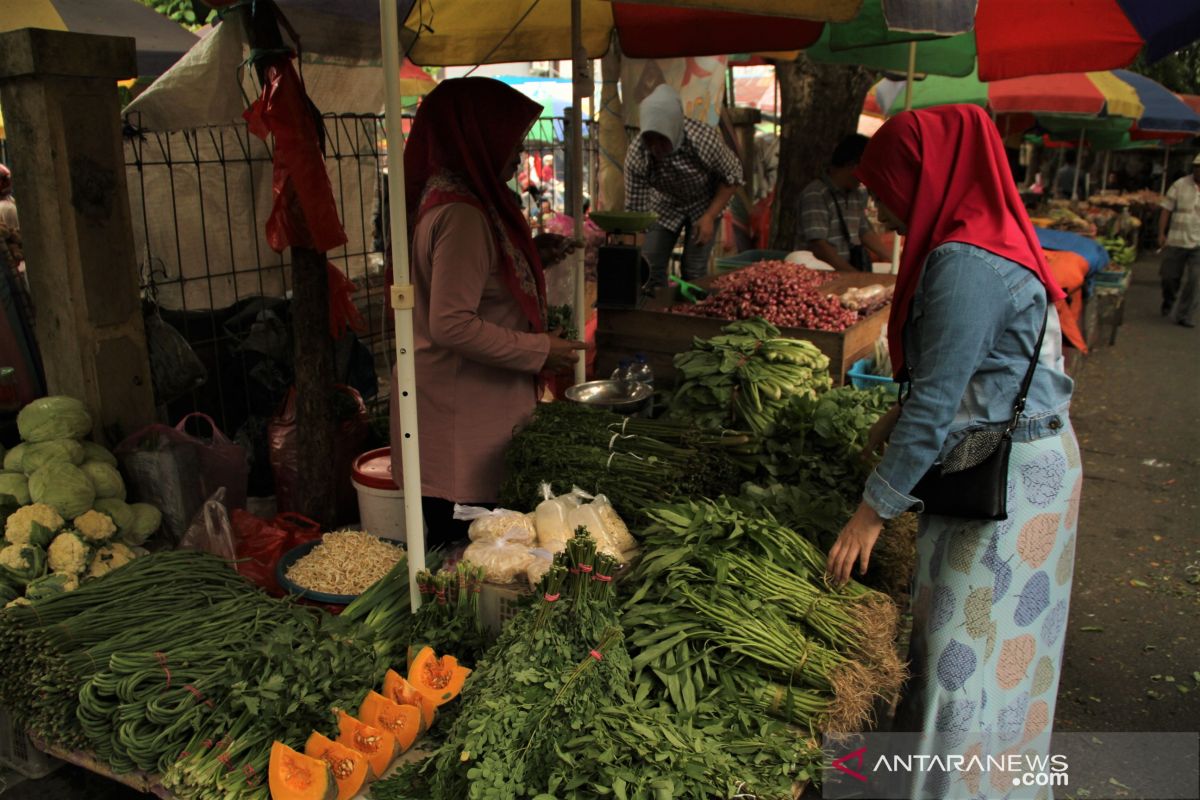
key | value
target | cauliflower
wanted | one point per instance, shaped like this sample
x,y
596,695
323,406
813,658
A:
x,y
95,526
21,563
109,558
20,601
19,527
50,585
69,553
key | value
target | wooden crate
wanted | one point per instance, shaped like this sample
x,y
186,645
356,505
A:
x,y
660,335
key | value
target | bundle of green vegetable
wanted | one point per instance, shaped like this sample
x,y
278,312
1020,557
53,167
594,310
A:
x,y
175,664
448,619
727,599
634,462
744,378
552,712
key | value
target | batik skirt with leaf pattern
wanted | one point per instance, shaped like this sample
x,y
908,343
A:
x,y
990,604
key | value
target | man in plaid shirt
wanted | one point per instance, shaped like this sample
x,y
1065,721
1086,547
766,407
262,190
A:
x,y
683,171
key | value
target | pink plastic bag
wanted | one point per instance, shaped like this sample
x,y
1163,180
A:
x,y
175,471
222,462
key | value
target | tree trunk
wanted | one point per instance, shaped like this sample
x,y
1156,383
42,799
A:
x,y
316,489
820,103
315,423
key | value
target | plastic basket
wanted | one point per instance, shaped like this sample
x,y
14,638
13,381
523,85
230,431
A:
x,y
18,753
500,602
748,257
861,377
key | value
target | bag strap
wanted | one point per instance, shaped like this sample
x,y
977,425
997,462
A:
x,y
218,436
838,206
1019,405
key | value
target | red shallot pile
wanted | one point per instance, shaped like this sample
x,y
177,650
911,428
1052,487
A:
x,y
786,295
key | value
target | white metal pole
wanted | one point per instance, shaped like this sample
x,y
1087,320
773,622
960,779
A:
x,y
402,297
908,92
580,88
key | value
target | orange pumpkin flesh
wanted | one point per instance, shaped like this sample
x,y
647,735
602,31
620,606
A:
x,y
349,766
295,776
400,691
402,721
377,745
439,679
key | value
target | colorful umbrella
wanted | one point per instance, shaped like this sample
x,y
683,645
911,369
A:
x,y
515,30
414,81
1010,38
160,42
1165,115
1080,93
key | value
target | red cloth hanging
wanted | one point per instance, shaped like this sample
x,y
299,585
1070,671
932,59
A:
x,y
304,213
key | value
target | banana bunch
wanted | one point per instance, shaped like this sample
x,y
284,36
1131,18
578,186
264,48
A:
x,y
1121,253
744,378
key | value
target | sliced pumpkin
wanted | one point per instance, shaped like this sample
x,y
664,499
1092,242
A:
x,y
376,744
397,689
402,721
349,767
439,679
295,776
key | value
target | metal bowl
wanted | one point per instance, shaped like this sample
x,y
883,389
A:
x,y
624,397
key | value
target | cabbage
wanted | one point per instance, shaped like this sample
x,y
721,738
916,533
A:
x,y
13,458
15,485
55,417
42,453
64,487
105,479
50,585
94,452
120,512
146,520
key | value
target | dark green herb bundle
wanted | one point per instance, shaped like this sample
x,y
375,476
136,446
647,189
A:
x,y
448,619
634,462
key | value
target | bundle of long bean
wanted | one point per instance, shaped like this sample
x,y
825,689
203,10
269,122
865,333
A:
x,y
634,462
726,596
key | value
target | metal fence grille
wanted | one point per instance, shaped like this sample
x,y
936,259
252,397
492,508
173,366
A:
x,y
198,199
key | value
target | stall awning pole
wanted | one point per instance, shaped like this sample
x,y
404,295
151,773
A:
x,y
402,294
908,92
1104,179
581,87
1078,166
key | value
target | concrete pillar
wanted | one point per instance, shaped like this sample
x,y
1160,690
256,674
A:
x,y
62,116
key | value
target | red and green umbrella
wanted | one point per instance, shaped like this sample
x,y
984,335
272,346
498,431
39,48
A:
x,y
1009,38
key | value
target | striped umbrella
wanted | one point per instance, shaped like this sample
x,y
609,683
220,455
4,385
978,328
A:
x,y
1009,38
160,42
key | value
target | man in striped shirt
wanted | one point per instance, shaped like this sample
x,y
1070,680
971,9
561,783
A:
x,y
833,213
683,171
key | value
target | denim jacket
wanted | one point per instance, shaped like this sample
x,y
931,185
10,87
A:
x,y
974,321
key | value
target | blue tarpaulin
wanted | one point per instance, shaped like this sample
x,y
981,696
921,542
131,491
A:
x,y
1092,251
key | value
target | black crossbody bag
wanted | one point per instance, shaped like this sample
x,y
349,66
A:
x,y
972,481
860,257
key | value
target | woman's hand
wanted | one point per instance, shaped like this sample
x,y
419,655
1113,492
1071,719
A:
x,y
854,544
880,432
563,353
553,248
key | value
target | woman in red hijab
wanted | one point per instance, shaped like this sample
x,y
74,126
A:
x,y
973,293
480,314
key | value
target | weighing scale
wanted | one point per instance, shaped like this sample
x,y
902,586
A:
x,y
621,272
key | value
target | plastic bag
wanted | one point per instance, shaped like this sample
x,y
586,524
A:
x,y
498,525
554,528
614,526
503,560
261,543
587,516
210,531
163,469
283,440
175,369
539,564
222,462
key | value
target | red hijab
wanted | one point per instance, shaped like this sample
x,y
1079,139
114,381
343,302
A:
x,y
465,133
944,172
